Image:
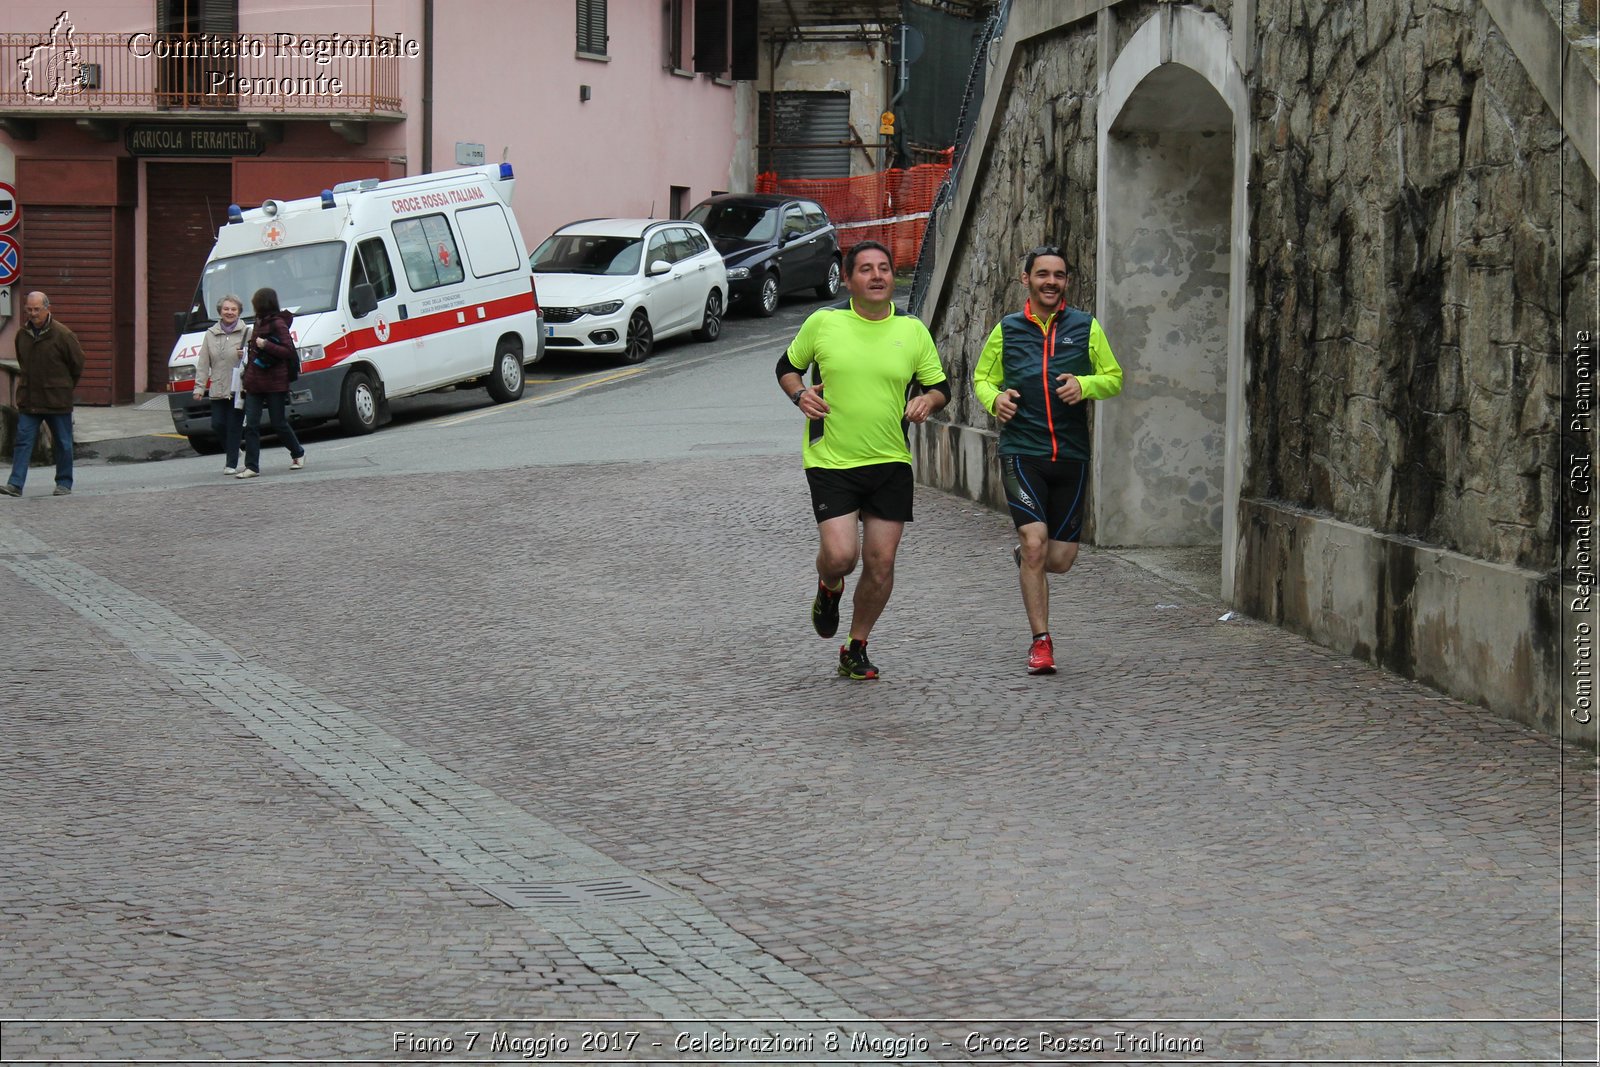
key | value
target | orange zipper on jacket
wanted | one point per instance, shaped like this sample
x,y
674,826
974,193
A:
x,y
1049,350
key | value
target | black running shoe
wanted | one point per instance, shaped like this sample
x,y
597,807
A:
x,y
825,609
854,664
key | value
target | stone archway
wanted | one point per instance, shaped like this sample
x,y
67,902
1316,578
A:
x,y
1171,266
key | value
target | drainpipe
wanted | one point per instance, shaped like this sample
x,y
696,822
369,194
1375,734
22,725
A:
x,y
902,80
427,86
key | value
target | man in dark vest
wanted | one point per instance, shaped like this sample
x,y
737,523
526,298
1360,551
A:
x,y
1038,367
52,362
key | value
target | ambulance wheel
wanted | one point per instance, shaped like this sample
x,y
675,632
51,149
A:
x,y
506,380
358,404
205,444
641,339
711,324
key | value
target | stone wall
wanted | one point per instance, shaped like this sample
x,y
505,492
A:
x,y
1414,241
1419,252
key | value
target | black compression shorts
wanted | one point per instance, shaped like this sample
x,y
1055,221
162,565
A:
x,y
1048,491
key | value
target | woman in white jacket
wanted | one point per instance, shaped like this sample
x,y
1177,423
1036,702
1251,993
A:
x,y
215,376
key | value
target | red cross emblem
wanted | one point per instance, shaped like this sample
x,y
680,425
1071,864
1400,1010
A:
x,y
444,254
273,234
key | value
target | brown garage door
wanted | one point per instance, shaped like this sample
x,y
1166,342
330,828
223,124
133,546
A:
x,y
69,257
187,203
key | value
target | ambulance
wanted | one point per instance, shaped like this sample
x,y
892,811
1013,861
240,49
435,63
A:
x,y
398,287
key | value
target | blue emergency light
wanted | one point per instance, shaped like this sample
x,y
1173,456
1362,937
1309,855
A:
x,y
327,199
235,214
505,172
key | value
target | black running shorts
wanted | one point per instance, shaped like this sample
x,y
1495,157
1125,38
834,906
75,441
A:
x,y
1048,491
882,489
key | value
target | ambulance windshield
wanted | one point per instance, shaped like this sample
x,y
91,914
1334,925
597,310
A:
x,y
305,276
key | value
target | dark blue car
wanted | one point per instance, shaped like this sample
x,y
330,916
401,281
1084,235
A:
x,y
771,245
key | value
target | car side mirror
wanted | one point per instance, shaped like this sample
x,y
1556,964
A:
x,y
363,301
660,266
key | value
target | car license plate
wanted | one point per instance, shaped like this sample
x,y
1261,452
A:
x,y
549,331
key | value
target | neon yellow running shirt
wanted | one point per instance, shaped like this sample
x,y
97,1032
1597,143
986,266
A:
x,y
866,368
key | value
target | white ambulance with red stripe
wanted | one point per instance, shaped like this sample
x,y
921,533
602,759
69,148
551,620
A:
x,y
398,287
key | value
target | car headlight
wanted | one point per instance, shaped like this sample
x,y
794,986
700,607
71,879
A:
x,y
311,353
600,309
738,274
180,372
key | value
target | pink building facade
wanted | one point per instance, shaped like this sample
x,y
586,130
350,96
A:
x,y
127,127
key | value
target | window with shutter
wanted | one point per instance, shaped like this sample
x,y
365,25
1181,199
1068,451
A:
x,y
711,36
673,12
592,27
186,79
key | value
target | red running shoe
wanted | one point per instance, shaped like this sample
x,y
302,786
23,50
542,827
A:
x,y
1042,656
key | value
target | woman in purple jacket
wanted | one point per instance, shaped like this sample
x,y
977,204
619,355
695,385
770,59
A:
x,y
266,382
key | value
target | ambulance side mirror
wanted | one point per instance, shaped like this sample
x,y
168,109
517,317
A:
x,y
363,301
180,322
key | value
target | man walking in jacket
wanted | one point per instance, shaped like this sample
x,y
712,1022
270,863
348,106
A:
x,y
1038,367
52,362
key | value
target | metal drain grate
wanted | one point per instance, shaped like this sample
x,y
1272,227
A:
x,y
184,659
577,894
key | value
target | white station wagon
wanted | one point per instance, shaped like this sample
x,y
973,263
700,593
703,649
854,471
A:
x,y
616,286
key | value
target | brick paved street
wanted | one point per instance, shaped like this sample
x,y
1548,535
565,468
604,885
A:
x,y
294,794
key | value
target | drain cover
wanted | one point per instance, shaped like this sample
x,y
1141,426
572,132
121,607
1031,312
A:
x,y
577,894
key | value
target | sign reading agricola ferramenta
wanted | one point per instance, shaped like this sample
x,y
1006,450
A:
x,y
193,139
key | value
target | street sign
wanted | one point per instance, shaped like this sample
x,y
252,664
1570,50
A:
x,y
470,154
10,208
10,260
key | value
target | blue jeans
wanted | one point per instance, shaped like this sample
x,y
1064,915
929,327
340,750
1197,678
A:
x,y
277,405
28,432
226,422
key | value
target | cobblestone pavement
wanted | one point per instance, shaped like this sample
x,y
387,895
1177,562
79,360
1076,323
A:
x,y
272,789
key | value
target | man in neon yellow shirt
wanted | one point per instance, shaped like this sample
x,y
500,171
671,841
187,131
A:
x,y
865,358
1038,367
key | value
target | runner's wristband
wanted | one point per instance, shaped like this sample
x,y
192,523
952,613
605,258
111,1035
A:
x,y
795,396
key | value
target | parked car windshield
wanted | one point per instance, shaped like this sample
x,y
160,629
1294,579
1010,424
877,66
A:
x,y
586,253
305,276
744,222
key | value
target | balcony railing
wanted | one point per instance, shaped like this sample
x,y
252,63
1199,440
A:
x,y
284,74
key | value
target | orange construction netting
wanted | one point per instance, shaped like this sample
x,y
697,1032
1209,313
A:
x,y
891,206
